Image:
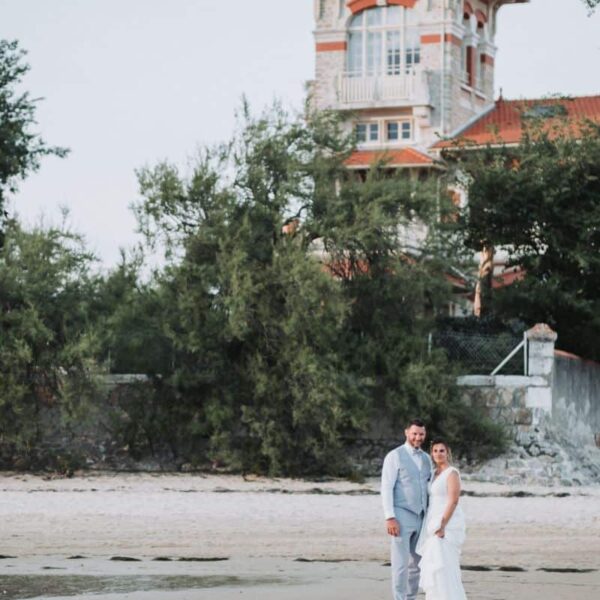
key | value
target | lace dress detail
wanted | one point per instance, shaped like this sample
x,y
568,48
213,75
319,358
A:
x,y
440,557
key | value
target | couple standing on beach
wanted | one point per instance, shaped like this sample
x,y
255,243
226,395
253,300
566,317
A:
x,y
420,495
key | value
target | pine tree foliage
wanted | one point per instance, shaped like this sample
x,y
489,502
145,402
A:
x,y
21,149
46,353
255,318
297,309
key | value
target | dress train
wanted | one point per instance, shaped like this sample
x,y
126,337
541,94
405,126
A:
x,y
440,557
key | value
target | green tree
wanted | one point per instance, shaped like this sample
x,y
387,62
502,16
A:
x,y
297,309
255,316
385,236
131,319
21,149
45,353
540,202
127,312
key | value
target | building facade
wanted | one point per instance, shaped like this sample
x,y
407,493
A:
x,y
416,77
408,72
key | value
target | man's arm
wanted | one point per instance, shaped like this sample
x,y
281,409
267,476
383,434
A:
x,y
389,473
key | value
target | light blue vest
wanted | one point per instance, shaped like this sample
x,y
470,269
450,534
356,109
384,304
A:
x,y
410,489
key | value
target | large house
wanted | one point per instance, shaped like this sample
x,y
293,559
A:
x,y
411,73
414,76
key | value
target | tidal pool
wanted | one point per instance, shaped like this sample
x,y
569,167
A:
x,y
19,587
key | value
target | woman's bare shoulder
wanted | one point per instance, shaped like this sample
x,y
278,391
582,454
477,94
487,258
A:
x,y
454,473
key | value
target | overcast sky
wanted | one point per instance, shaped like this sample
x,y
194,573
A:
x,y
127,83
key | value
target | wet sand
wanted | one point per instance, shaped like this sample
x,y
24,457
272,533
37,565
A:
x,y
267,579
517,540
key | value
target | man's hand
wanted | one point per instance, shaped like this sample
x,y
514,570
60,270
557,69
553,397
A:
x,y
393,527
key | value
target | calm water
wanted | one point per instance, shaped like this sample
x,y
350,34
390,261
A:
x,y
17,587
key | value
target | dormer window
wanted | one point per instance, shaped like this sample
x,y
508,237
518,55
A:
x,y
545,111
383,41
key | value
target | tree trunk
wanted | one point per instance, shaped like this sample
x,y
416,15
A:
x,y
483,290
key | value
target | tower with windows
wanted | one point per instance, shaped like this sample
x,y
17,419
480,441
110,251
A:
x,y
406,71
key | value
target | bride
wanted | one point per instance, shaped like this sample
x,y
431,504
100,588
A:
x,y
443,531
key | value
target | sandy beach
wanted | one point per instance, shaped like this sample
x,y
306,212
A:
x,y
224,537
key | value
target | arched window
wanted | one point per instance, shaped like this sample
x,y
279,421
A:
x,y
478,64
383,41
468,62
481,39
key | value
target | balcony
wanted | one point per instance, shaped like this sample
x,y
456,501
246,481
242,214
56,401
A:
x,y
382,90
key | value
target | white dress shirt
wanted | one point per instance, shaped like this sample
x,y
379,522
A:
x,y
416,454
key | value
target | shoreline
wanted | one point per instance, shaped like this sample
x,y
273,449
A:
x,y
280,537
46,578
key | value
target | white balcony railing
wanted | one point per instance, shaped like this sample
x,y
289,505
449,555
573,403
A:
x,y
385,88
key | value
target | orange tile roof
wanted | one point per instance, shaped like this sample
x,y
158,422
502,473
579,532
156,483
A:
x,y
566,354
403,157
562,353
504,279
457,282
503,124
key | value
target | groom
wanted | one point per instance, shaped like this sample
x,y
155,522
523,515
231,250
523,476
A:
x,y
406,471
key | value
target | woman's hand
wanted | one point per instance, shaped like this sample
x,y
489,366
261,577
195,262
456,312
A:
x,y
441,532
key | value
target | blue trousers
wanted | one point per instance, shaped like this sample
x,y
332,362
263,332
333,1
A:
x,y
405,560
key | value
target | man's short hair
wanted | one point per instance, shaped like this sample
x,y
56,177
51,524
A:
x,y
417,422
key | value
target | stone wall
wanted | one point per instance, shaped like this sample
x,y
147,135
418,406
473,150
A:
x,y
552,414
559,387
520,402
503,398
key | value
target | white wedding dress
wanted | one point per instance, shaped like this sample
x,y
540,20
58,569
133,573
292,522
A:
x,y
440,557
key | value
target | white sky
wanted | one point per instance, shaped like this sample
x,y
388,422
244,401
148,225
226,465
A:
x,y
127,83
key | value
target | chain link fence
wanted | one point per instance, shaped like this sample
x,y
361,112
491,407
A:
x,y
480,354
